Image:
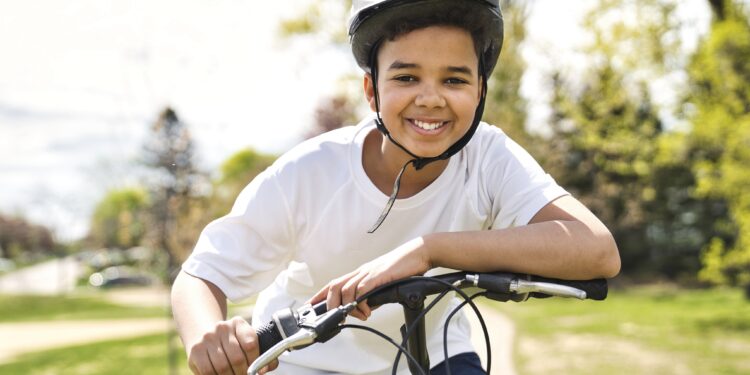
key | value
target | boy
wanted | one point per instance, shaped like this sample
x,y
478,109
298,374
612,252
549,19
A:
x,y
465,197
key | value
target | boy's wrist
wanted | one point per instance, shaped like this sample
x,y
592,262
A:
x,y
428,250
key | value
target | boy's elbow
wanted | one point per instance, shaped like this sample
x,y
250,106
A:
x,y
609,259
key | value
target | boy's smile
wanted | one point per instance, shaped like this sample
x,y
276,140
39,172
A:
x,y
428,87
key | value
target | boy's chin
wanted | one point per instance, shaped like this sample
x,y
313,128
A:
x,y
427,152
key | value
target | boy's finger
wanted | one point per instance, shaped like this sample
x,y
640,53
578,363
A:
x,y
333,298
350,288
270,367
321,295
364,308
235,355
357,314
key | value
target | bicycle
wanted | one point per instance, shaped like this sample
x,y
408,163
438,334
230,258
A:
x,y
295,329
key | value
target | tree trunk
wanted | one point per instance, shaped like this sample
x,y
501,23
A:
x,y
719,8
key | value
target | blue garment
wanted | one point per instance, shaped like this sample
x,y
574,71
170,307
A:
x,y
461,364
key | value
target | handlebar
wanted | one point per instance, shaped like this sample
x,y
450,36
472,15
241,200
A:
x,y
290,329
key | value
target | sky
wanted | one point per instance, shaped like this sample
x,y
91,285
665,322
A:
x,y
80,82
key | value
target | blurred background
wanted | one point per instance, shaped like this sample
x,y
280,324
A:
x,y
126,126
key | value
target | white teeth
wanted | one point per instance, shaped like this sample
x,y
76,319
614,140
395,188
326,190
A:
x,y
428,125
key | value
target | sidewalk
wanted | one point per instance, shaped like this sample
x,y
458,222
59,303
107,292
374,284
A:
x,y
501,332
26,337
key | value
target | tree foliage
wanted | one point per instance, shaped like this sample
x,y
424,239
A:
x,y
332,113
719,96
506,107
611,149
22,240
120,219
234,174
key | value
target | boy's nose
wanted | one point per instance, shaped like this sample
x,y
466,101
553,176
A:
x,y
429,97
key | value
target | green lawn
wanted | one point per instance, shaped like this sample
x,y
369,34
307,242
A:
x,y
144,355
642,330
15,308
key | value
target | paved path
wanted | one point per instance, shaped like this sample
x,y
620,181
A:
x,y
51,277
25,337
501,332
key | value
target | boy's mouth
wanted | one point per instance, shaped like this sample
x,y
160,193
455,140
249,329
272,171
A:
x,y
428,125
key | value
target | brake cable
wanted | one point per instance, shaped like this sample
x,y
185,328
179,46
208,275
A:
x,y
484,329
466,300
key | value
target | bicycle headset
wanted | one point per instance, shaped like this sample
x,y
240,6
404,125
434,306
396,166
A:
x,y
373,21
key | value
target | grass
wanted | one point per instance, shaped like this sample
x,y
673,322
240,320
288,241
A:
x,y
17,308
143,355
657,329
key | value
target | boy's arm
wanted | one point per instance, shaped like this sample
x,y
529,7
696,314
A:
x,y
213,345
563,240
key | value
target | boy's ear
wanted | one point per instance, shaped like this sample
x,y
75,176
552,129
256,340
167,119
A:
x,y
369,91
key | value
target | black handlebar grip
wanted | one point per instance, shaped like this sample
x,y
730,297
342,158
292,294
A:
x,y
268,336
595,289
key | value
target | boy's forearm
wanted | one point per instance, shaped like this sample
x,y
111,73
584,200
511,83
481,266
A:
x,y
196,306
559,248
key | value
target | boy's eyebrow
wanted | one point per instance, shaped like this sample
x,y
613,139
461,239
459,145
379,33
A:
x,y
460,69
398,64
401,65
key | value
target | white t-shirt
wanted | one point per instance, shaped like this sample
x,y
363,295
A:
x,y
304,222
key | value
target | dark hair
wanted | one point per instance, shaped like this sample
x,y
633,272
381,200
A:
x,y
457,17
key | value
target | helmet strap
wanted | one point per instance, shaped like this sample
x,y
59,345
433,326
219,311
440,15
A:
x,y
391,199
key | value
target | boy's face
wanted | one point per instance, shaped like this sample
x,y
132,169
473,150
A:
x,y
429,88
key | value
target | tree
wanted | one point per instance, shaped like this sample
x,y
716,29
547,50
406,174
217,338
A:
x,y
119,219
177,189
175,186
506,107
23,241
234,174
719,98
610,147
604,145
332,113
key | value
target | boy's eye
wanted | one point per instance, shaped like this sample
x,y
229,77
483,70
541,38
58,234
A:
x,y
405,78
455,81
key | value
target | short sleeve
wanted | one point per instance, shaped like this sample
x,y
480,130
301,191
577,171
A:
x,y
520,187
242,252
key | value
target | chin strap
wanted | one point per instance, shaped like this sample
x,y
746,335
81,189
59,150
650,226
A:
x,y
391,199
418,161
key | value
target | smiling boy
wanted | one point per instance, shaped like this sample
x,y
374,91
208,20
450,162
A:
x,y
465,196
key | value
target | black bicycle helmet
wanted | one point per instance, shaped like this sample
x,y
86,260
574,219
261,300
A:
x,y
370,19
373,21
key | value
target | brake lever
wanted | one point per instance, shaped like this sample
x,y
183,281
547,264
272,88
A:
x,y
525,286
511,284
303,337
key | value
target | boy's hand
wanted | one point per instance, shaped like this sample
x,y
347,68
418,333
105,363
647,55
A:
x,y
406,260
227,348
